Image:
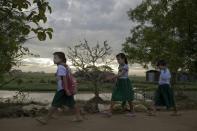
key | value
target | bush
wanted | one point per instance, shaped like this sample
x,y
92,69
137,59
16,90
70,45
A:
x,y
42,81
19,81
53,82
30,81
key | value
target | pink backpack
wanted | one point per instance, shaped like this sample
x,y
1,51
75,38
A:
x,y
71,82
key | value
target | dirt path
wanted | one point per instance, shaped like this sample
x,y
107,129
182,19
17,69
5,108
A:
x,y
162,122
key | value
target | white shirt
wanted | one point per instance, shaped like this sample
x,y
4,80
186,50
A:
x,y
61,71
164,77
126,68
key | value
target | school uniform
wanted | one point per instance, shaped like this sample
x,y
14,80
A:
x,y
164,95
61,98
123,90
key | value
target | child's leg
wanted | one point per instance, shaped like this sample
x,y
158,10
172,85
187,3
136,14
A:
x,y
153,109
175,111
111,106
131,106
131,113
76,110
124,106
77,113
52,110
49,115
108,113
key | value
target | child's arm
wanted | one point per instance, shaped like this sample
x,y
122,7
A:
x,y
66,85
122,73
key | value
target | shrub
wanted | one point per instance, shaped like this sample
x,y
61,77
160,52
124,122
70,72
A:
x,y
42,81
53,82
30,81
19,81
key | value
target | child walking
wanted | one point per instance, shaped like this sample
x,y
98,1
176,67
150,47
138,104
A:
x,y
63,96
123,90
164,95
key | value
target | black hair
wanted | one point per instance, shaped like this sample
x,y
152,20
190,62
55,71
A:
x,y
123,56
161,63
61,55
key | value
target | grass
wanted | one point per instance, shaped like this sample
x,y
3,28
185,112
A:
x,y
47,82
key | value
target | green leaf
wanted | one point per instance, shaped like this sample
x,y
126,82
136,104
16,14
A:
x,y
164,30
26,30
44,19
30,15
34,30
49,34
49,8
14,29
49,29
41,36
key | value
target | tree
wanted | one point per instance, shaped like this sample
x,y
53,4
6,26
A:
x,y
92,61
18,19
166,29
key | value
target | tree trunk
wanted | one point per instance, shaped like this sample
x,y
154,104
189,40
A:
x,y
96,99
96,91
174,78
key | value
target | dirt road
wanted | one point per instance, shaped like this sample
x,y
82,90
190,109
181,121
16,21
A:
x,y
162,122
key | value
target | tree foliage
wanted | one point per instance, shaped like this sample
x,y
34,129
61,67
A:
x,y
19,19
165,29
92,61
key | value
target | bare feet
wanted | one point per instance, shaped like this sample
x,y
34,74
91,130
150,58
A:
x,y
83,114
131,114
107,113
41,121
150,113
77,120
53,117
176,114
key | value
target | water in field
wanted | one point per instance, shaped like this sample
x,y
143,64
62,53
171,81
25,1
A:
x,y
48,96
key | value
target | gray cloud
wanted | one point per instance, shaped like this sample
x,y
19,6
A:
x,y
95,20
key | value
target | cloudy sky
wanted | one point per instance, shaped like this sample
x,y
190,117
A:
x,y
74,20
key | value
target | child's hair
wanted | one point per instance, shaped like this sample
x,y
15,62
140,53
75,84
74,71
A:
x,y
61,55
161,63
122,56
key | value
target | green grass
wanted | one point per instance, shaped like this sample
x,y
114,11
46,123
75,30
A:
x,y
47,82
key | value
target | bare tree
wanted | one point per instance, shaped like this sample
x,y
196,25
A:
x,y
92,61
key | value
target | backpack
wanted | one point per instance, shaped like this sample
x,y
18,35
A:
x,y
71,82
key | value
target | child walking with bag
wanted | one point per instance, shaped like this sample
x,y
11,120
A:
x,y
123,90
66,89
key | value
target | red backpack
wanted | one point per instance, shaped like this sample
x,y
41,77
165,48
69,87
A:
x,y
71,82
